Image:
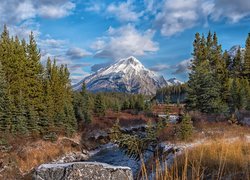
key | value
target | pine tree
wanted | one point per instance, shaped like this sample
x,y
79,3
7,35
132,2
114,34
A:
x,y
208,77
139,104
186,127
237,66
47,118
208,96
5,119
125,105
100,107
33,75
226,57
193,78
86,104
246,69
239,94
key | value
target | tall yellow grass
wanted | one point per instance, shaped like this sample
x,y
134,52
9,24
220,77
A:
x,y
216,159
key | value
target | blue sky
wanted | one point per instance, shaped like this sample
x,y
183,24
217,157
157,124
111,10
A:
x,y
88,35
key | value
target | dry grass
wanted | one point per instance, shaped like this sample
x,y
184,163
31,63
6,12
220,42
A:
x,y
221,159
126,119
23,159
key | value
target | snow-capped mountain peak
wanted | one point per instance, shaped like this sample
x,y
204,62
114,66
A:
x,y
174,81
124,65
233,51
127,75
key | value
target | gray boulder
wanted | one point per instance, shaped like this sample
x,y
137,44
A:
x,y
83,171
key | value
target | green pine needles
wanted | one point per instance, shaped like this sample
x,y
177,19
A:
x,y
218,83
33,99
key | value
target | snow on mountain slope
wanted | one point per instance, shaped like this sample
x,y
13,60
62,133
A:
x,y
233,51
174,81
126,75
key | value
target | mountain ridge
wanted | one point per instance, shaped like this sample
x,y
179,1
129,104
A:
x,y
127,75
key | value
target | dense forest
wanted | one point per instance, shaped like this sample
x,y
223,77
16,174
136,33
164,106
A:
x,y
172,94
37,100
217,82
34,99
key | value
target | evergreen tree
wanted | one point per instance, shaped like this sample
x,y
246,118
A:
x,y
239,94
33,75
186,127
82,105
100,107
226,57
208,97
237,66
192,85
125,105
33,99
139,104
86,104
5,119
208,77
246,69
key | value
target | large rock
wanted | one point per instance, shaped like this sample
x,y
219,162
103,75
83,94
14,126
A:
x,y
82,170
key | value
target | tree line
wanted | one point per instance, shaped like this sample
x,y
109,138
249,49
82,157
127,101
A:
x,y
171,94
87,104
33,99
37,99
218,83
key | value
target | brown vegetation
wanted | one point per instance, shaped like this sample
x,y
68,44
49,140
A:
x,y
24,155
221,159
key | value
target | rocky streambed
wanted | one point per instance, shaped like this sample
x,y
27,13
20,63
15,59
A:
x,y
105,161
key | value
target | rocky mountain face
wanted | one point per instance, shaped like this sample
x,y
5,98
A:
x,y
233,51
174,81
126,75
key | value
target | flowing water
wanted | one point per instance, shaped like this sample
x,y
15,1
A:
x,y
115,156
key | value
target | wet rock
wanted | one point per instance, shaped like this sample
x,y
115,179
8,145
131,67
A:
x,y
82,171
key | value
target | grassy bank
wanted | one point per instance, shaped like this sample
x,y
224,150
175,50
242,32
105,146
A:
x,y
214,159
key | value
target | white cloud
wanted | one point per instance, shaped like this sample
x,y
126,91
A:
x,y
24,29
77,53
94,6
160,67
178,15
182,67
233,10
124,11
77,73
16,11
56,11
125,41
52,43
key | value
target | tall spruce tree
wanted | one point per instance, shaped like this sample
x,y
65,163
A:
x,y
5,114
237,65
34,84
205,85
246,69
100,107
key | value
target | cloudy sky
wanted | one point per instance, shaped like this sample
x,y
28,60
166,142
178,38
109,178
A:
x,y
88,35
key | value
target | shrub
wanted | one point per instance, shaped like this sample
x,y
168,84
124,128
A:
x,y
186,127
50,137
